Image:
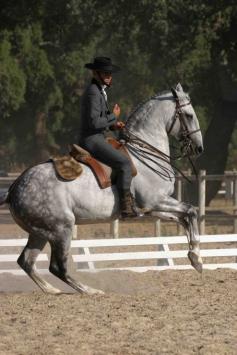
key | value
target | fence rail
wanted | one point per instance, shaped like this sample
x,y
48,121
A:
x,y
164,260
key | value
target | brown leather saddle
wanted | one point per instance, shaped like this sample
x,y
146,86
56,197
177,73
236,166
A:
x,y
69,168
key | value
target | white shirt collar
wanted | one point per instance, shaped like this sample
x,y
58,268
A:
x,y
104,92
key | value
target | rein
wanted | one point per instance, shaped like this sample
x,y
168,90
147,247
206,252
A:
x,y
144,151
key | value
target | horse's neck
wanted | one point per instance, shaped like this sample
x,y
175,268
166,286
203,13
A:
x,y
153,171
154,133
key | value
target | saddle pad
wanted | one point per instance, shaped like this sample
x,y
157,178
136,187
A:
x,y
67,167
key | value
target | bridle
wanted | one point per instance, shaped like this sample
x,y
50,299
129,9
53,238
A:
x,y
186,142
146,153
179,114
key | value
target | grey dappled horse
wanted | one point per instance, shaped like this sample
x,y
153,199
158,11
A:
x,y
48,207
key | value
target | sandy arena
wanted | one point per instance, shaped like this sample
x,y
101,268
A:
x,y
168,312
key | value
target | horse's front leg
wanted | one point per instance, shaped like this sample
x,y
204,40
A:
x,y
186,215
191,228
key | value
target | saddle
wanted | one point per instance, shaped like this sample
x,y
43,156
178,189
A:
x,y
69,167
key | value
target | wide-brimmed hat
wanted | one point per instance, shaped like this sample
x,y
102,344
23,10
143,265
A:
x,y
103,64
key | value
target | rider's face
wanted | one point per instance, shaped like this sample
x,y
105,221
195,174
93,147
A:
x,y
107,77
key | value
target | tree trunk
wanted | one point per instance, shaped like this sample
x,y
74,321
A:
x,y
41,152
216,142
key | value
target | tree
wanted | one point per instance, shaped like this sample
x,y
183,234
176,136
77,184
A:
x,y
44,43
218,86
12,78
157,43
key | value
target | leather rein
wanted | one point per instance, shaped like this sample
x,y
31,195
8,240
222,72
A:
x,y
148,154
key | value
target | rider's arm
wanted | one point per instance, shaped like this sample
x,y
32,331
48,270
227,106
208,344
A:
x,y
96,118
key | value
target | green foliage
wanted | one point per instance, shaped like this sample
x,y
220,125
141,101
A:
x,y
44,46
12,79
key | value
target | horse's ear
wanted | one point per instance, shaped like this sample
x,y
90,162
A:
x,y
173,90
179,87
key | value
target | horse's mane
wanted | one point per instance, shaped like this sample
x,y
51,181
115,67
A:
x,y
144,109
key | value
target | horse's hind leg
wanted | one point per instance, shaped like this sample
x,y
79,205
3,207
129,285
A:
x,y
58,263
27,261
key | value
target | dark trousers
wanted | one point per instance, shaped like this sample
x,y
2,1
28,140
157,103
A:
x,y
104,152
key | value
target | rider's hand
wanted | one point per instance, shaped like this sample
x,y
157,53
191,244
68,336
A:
x,y
120,125
117,125
116,110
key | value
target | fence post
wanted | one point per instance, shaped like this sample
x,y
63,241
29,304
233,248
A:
x,y
179,192
74,232
157,228
201,200
229,186
161,247
114,228
235,202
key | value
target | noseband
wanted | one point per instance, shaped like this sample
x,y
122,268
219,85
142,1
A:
x,y
185,133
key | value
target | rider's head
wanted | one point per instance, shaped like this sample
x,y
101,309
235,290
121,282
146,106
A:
x,y
103,69
105,78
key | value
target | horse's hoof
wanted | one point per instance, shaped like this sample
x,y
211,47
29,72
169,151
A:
x,y
53,291
196,261
92,291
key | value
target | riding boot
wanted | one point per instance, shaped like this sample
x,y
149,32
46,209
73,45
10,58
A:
x,y
127,205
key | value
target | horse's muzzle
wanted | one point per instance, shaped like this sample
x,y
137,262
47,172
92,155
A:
x,y
199,150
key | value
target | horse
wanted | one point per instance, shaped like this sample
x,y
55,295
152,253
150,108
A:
x,y
48,207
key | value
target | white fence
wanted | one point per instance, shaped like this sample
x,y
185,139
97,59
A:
x,y
230,181
87,253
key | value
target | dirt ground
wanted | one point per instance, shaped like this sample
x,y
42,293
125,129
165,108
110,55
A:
x,y
168,312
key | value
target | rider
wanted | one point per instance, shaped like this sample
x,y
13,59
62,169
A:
x,y
96,119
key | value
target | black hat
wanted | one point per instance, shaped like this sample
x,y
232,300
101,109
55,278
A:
x,y
103,64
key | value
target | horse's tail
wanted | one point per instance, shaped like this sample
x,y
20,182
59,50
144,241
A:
x,y
3,198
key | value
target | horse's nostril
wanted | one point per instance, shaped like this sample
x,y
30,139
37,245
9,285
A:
x,y
200,149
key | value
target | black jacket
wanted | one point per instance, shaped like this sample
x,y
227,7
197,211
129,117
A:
x,y
95,114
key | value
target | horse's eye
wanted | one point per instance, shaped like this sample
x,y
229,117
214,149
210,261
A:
x,y
189,116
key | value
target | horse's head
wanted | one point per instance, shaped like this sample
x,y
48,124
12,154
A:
x,y
184,124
